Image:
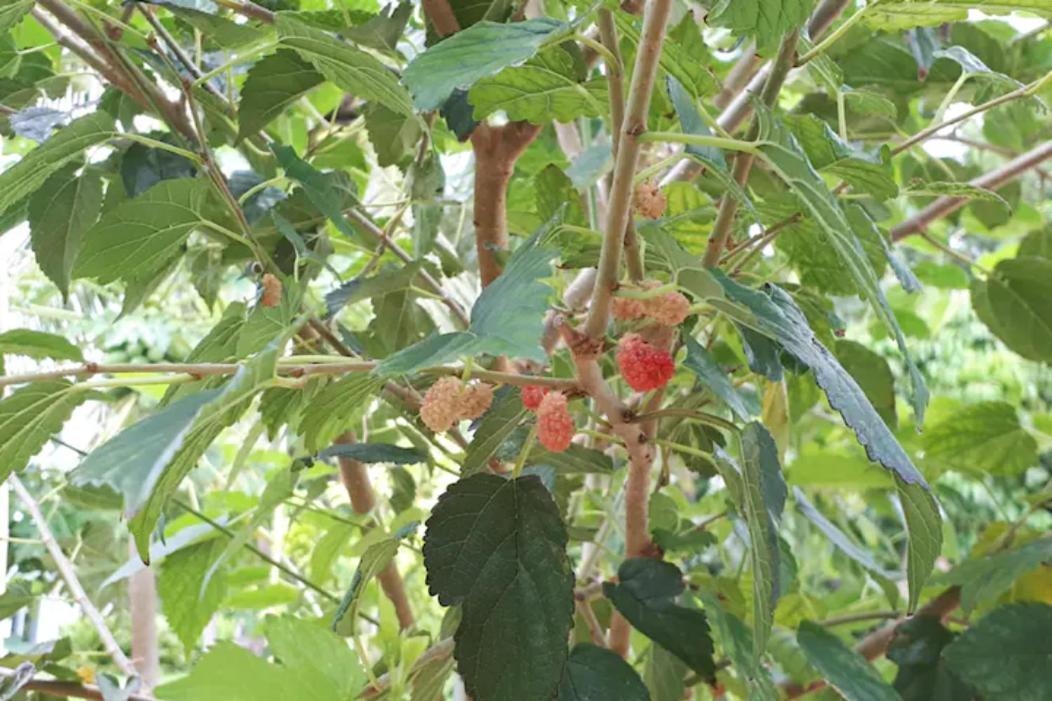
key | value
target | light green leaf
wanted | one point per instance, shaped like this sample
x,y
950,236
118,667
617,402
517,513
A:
x,y
497,547
1013,303
765,20
349,68
479,51
320,664
736,640
844,669
335,407
864,172
1005,655
545,88
924,535
985,437
985,578
895,15
271,86
575,460
60,212
374,560
374,452
948,188
231,673
645,594
392,135
28,174
13,12
139,237
188,602
593,673
677,63
38,344
30,416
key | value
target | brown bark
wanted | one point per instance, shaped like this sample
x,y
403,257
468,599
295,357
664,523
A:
x,y
142,604
355,478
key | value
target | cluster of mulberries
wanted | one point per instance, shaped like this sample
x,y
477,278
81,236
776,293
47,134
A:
x,y
555,426
449,401
644,366
649,201
669,309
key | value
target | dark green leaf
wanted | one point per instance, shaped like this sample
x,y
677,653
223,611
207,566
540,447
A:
x,y
392,135
1005,654
142,167
497,547
645,594
271,86
923,675
577,459
702,364
374,452
873,375
986,578
336,407
30,416
374,560
597,674
844,669
837,537
1013,303
468,56
12,13
497,424
864,172
924,530
60,212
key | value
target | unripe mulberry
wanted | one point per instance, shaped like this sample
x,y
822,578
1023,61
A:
x,y
475,399
532,395
555,427
644,367
441,406
649,200
271,296
669,309
627,309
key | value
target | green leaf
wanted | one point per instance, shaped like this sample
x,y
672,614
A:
x,y
374,452
1005,654
923,673
645,594
13,12
844,669
775,314
924,531
497,424
349,68
147,461
1013,303
272,85
374,560
985,437
896,15
762,499
575,460
764,20
230,672
139,237
676,61
497,547
187,600
986,578
143,166
596,674
320,188
545,88
33,170
320,665
382,31
479,51
702,364
873,375
736,640
60,212
864,172
784,155
14,599
336,407
392,135
837,537
1037,243
30,416
507,318
948,188
38,344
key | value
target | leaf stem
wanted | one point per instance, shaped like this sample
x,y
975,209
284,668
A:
x,y
833,37
700,140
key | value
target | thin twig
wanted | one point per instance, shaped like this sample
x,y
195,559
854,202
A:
x,y
69,576
68,690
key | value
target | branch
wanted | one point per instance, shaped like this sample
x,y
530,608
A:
x,y
355,478
68,690
635,123
441,15
69,576
721,229
944,206
249,9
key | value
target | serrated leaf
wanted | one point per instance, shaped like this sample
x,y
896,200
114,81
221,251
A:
x,y
147,461
702,364
349,68
986,578
392,135
1013,303
374,560
497,424
737,641
675,61
923,674
382,31
272,85
139,237
985,437
544,88
844,669
873,375
864,172
497,548
645,594
924,535
481,50
335,407
948,188
764,20
837,537
374,452
12,13
38,344
36,123
187,601
319,187
60,212
575,460
28,174
30,416
596,674
1004,655
386,281
142,167
507,318
774,314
